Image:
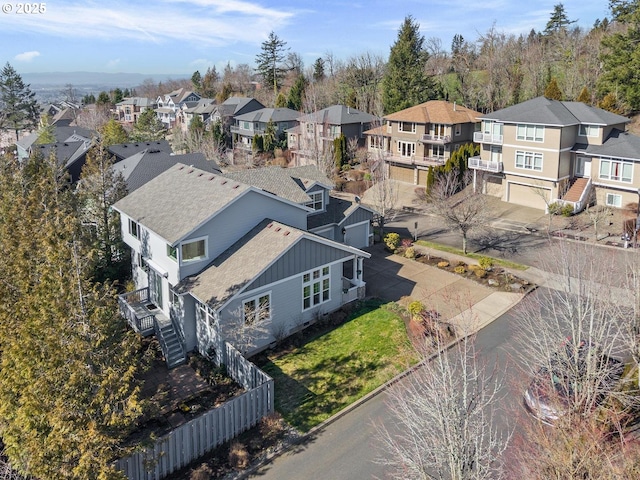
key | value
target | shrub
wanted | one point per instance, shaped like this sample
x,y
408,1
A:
x,y
271,426
567,210
415,309
410,252
480,273
238,455
406,242
392,240
460,269
346,167
554,208
460,263
486,263
443,264
203,472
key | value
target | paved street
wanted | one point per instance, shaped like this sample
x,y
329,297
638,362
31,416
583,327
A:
x,y
347,449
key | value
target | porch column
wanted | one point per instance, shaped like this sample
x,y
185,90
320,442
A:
x,y
358,263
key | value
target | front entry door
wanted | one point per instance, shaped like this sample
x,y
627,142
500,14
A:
x,y
583,167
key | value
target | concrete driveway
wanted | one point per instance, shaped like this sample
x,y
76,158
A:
x,y
465,303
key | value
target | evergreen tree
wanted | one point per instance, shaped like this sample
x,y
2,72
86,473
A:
x,y
18,106
281,101
113,133
196,81
405,82
99,188
116,95
209,83
89,99
558,21
296,94
196,127
68,394
269,61
46,131
148,128
621,56
553,92
585,96
340,151
318,70
103,99
269,137
225,93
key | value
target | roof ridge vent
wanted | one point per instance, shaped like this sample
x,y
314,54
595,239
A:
x,y
278,229
286,233
212,177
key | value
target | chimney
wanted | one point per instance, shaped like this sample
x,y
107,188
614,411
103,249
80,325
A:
x,y
454,106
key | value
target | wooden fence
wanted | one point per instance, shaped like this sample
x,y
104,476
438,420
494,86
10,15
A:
x,y
204,433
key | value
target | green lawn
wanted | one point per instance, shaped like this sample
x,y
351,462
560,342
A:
x,y
335,369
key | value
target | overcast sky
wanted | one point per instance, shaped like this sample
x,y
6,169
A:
x,y
181,36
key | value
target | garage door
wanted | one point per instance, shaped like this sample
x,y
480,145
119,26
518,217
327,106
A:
x,y
422,177
528,196
402,174
357,235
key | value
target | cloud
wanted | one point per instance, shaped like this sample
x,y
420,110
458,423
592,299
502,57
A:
x,y
26,56
113,63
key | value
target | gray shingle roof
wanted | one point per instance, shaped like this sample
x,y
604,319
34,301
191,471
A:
x,y
161,203
541,110
66,152
337,210
148,164
618,145
288,183
241,263
264,115
337,115
125,150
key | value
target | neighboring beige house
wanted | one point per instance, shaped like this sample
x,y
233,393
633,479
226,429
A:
x,y
248,125
203,109
542,151
129,109
170,105
413,139
312,140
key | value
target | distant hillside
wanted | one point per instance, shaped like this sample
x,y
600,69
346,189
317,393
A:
x,y
80,79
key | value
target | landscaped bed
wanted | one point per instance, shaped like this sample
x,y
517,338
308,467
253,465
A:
x,y
334,367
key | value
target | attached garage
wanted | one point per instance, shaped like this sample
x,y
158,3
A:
x,y
402,174
357,235
528,196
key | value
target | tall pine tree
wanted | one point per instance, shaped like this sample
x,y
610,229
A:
x,y
269,61
405,82
18,106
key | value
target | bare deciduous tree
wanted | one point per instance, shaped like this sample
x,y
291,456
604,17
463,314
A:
x,y
453,199
444,412
597,214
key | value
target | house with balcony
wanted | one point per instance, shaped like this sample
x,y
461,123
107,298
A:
x,y
545,151
331,217
203,109
248,125
129,109
312,140
216,259
169,105
413,139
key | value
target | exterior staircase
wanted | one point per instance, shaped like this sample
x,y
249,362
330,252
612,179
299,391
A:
x,y
170,342
574,194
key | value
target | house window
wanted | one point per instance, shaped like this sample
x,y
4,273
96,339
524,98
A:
x,y
315,287
406,149
316,200
613,200
529,161
492,128
409,127
375,141
172,252
389,126
134,229
246,125
530,133
192,251
334,131
174,298
496,153
616,170
458,130
310,128
588,130
256,309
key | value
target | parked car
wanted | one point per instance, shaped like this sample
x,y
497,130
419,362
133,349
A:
x,y
552,390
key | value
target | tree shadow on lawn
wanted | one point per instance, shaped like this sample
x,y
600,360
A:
x,y
310,395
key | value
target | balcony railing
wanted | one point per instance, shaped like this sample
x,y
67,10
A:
x,y
137,308
490,166
438,139
349,291
420,161
480,137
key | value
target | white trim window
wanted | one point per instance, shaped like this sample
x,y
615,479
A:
x,y
407,127
617,170
588,130
172,252
376,141
194,250
529,160
256,309
316,287
317,201
406,149
457,129
613,200
134,229
530,133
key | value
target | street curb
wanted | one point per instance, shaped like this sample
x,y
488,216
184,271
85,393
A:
x,y
374,393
